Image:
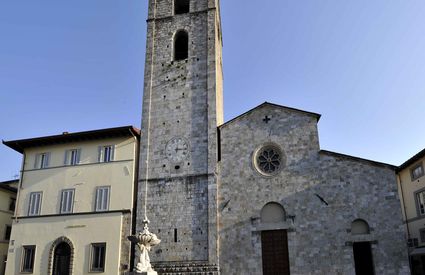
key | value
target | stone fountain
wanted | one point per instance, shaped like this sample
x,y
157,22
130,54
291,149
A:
x,y
144,241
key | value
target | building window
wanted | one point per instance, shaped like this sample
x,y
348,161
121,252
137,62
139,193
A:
x,y
102,198
106,153
417,171
42,160
67,201
12,204
7,232
269,159
420,198
181,45
181,6
422,234
72,157
35,203
28,258
97,259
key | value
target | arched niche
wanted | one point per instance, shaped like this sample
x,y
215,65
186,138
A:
x,y
181,45
359,227
273,212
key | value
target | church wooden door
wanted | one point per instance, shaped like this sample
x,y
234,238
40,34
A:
x,y
363,260
274,246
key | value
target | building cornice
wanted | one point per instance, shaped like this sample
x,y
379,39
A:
x,y
66,137
122,211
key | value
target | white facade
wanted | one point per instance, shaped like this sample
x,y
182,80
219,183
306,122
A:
x,y
75,201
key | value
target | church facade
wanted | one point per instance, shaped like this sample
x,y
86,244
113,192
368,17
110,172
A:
x,y
255,195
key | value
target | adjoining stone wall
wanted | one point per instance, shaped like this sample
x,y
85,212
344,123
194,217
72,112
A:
x,y
125,243
322,193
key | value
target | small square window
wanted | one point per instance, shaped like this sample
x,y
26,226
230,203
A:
x,y
28,255
417,171
97,259
181,6
35,203
102,198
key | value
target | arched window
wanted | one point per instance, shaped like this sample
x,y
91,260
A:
x,y
181,6
359,226
181,45
273,212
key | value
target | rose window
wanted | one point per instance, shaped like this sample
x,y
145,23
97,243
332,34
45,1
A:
x,y
269,159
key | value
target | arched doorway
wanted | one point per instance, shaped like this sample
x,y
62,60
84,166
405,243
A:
x,y
363,257
274,242
62,259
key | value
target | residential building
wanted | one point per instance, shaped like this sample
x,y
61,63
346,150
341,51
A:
x,y
411,183
7,209
74,204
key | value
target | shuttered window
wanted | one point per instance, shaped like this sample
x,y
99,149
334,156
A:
x,y
35,203
102,198
106,153
28,254
72,157
67,201
42,160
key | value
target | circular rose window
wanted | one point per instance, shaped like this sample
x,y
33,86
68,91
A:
x,y
269,159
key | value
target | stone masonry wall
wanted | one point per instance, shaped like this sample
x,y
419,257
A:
x,y
319,237
180,102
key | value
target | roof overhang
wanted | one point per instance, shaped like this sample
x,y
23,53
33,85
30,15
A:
x,y
22,144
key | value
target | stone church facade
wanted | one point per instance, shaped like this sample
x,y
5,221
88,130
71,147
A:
x,y
255,195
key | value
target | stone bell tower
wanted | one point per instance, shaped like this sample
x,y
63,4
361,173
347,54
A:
x,y
182,107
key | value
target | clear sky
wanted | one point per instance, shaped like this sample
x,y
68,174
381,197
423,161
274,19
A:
x,y
78,65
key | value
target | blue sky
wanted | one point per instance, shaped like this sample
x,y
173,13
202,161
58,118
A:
x,y
74,66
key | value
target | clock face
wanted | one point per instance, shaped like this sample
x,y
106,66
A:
x,y
177,149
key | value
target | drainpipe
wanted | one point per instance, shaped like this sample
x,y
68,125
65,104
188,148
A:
x,y
405,216
21,178
135,190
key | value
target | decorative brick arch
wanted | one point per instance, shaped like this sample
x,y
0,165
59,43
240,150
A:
x,y
58,241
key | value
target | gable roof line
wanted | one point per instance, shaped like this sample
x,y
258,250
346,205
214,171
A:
x,y
335,154
316,115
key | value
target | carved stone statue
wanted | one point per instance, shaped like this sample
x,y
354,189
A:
x,y
144,241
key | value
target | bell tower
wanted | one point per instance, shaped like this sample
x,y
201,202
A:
x,y
182,107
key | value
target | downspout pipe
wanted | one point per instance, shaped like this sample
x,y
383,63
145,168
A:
x,y
405,214
135,190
